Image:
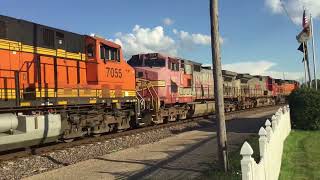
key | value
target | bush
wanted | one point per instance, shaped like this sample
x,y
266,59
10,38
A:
x,y
305,109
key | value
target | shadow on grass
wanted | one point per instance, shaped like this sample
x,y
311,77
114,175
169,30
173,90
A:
x,y
234,172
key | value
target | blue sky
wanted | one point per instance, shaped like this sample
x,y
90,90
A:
x,y
257,37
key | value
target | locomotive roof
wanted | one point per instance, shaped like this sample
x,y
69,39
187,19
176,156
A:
x,y
259,76
107,42
37,35
162,55
206,67
279,81
190,62
26,21
229,73
244,76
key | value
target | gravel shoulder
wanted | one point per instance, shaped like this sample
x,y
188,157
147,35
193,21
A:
x,y
183,156
32,165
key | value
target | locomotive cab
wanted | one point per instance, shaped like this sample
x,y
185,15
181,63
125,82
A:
x,y
106,66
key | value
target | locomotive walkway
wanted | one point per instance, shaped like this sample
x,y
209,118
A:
x,y
184,156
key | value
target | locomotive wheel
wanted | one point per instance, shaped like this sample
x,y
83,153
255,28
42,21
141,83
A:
x,y
147,119
68,140
166,120
113,128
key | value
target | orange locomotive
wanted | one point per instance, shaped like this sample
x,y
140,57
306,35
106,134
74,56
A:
x,y
84,79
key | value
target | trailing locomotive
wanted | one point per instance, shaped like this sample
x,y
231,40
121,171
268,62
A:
x,y
172,88
59,85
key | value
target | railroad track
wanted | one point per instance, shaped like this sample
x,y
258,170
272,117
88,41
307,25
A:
x,y
51,147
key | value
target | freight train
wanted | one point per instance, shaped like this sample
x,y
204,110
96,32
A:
x,y
171,88
60,85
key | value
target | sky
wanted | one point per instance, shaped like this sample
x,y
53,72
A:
x,y
257,36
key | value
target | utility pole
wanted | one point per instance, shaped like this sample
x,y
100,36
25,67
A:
x,y
218,86
314,55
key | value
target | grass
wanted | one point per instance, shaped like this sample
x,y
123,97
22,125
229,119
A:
x,y
234,163
301,156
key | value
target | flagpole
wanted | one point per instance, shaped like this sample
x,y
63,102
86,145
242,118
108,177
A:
x,y
308,66
314,54
305,64
305,73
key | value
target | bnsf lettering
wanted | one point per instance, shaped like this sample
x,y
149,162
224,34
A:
x,y
114,72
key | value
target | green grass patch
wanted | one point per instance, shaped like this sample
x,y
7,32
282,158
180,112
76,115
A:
x,y
234,163
301,156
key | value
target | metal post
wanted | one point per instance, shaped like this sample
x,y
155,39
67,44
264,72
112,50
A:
x,y
218,86
17,87
314,55
304,65
305,73
308,67
305,61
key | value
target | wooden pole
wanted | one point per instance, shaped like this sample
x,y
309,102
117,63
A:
x,y
218,86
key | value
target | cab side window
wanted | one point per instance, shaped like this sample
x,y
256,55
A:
x,y
102,53
108,53
90,51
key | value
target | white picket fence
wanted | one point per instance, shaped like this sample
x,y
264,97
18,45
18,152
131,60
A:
x,y
270,145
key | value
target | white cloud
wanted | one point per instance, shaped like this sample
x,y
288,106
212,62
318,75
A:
x,y
198,39
287,75
222,40
168,21
261,68
295,8
274,5
250,67
175,31
146,40
188,40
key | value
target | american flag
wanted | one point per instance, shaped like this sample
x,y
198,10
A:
x,y
305,22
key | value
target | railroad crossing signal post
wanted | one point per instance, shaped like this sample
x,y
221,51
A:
x,y
218,86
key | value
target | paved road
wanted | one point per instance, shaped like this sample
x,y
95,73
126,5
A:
x,y
183,156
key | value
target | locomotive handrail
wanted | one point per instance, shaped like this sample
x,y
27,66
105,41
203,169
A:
x,y
146,85
157,98
142,101
151,95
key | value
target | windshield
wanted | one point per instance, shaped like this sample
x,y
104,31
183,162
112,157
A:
x,y
154,63
135,61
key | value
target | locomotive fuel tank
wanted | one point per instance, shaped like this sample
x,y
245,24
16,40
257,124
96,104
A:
x,y
201,109
31,130
9,122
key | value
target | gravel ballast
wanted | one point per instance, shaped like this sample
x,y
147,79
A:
x,y
35,164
